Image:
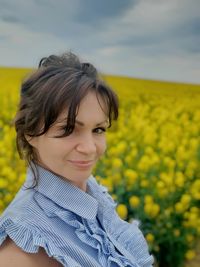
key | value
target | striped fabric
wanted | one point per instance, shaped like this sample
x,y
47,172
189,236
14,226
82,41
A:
x,y
78,229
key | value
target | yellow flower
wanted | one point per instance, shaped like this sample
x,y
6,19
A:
x,y
190,254
131,174
152,209
128,159
179,179
166,178
116,178
121,147
181,153
122,211
6,171
189,238
1,204
160,185
170,163
179,207
155,159
144,163
149,150
144,183
112,151
147,208
150,238
8,197
163,192
131,177
11,177
2,161
117,163
148,199
155,210
185,199
134,201
193,220
3,183
176,232
194,210
195,189
194,142
168,211
107,183
134,152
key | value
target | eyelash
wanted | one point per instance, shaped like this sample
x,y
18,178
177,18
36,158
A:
x,y
103,130
96,130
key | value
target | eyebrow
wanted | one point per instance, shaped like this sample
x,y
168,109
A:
x,y
98,124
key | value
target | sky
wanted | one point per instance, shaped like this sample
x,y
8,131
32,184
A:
x,y
150,39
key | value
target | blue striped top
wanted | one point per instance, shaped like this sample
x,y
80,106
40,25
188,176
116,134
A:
x,y
77,228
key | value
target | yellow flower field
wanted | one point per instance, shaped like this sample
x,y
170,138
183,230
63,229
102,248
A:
x,y
151,166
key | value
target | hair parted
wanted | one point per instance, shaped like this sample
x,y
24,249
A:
x,y
60,82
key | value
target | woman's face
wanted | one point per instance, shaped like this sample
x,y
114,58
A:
x,y
74,156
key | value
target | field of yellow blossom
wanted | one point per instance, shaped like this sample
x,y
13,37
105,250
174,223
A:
x,y
151,166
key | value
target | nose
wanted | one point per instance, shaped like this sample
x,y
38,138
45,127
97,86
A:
x,y
86,145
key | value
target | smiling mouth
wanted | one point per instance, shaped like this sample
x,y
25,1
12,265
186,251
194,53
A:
x,y
81,163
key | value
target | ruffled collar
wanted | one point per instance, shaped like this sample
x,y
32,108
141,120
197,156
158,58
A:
x,y
64,193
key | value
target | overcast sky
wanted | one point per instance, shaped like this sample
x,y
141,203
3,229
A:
x,y
156,39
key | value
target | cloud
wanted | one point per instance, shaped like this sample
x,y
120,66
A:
x,y
97,12
62,17
40,16
151,39
10,18
21,47
156,41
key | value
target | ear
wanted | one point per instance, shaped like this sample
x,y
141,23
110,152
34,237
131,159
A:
x,y
31,140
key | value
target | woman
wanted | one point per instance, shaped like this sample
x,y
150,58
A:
x,y
61,216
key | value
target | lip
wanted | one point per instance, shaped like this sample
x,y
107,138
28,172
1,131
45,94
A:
x,y
84,164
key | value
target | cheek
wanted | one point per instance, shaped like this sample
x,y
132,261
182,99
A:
x,y
42,150
47,147
102,146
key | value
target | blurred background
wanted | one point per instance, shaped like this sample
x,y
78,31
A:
x,y
149,52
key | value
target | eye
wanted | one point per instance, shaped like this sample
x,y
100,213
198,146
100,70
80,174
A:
x,y
99,130
63,131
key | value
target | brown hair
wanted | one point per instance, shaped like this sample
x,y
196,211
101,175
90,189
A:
x,y
59,82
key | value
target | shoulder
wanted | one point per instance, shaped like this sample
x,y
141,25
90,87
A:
x,y
12,256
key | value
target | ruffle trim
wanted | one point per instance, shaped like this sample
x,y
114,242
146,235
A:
x,y
89,233
127,234
29,240
135,243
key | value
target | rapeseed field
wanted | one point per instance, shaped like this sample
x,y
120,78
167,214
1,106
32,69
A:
x,y
151,166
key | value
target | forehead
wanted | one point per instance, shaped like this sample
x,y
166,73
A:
x,y
91,106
